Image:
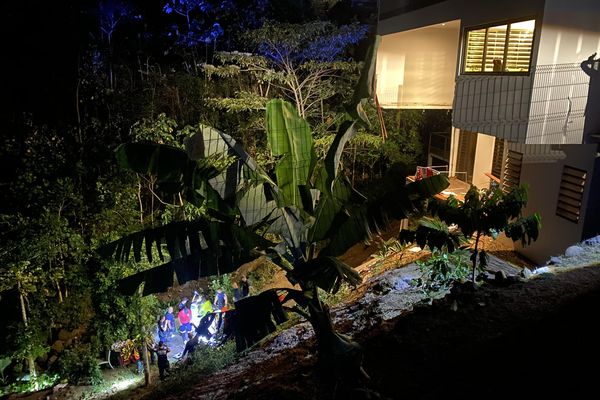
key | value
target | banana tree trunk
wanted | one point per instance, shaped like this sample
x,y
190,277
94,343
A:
x,y
338,354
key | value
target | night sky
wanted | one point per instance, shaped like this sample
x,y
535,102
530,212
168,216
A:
x,y
40,43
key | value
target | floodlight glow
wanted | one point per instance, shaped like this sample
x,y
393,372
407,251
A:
x,y
123,384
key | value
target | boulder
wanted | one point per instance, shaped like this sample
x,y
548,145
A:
x,y
500,276
59,387
595,241
526,273
574,251
554,261
542,270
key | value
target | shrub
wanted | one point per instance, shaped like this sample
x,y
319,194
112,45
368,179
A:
x,y
80,366
204,361
442,269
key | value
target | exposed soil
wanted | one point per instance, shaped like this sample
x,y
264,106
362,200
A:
x,y
532,338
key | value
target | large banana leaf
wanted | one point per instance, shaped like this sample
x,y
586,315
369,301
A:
x,y
290,139
196,249
256,316
332,161
330,203
356,222
174,171
328,273
365,87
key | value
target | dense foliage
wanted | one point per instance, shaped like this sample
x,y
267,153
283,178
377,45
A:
x,y
159,75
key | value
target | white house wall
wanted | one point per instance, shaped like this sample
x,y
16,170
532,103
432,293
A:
x,y
416,68
470,12
543,180
570,33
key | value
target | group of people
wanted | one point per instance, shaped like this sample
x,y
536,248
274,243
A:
x,y
195,320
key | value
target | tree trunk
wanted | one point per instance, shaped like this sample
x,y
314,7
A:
x,y
474,256
30,360
144,350
340,358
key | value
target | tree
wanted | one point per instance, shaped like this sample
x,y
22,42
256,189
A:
x,y
486,212
309,205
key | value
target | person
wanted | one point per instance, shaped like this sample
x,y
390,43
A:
x,y
220,306
164,328
190,346
185,318
220,299
237,292
205,306
245,286
163,361
171,318
202,330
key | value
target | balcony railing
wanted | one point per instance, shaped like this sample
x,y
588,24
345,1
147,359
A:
x,y
545,107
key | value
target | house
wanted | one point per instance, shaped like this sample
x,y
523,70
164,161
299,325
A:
x,y
524,94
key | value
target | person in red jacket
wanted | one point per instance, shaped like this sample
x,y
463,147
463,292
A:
x,y
185,321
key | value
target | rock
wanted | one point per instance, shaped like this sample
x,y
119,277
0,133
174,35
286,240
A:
x,y
554,261
526,273
500,276
595,241
58,387
574,251
401,285
542,270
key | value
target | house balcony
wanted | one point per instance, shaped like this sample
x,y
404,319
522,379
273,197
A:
x,y
545,106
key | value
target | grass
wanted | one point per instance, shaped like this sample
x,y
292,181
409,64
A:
x,y
204,361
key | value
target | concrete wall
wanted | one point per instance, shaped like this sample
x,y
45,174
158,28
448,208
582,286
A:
x,y
544,183
416,69
484,154
470,12
570,34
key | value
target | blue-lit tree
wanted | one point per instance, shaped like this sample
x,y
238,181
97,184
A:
x,y
205,23
307,63
111,13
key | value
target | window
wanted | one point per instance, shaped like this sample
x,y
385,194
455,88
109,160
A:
x,y
570,195
500,48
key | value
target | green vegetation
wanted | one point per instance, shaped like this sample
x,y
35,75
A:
x,y
442,270
70,195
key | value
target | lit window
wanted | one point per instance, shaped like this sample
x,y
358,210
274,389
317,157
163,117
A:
x,y
499,48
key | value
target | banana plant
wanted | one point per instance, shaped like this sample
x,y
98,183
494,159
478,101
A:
x,y
309,205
